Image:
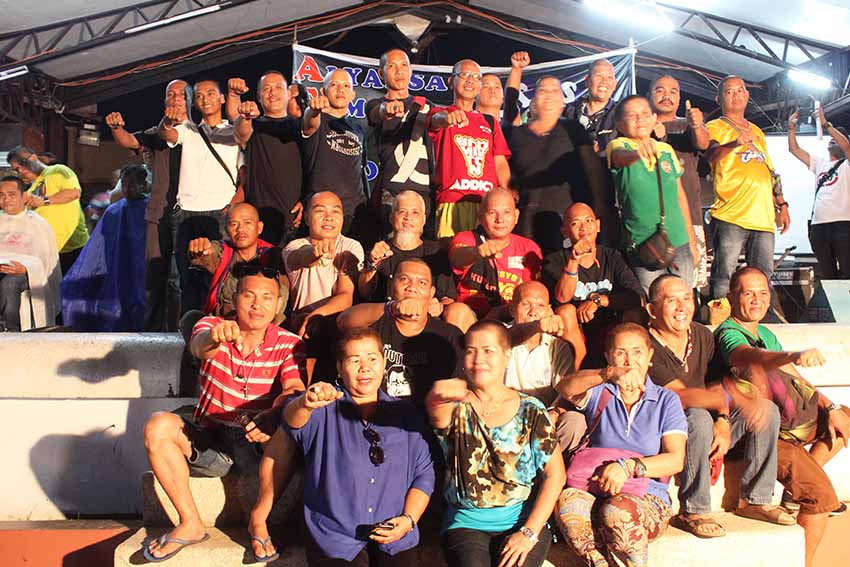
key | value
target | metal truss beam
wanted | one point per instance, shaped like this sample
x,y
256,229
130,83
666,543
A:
x,y
63,38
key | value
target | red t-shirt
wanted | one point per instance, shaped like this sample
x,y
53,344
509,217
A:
x,y
233,382
520,262
465,157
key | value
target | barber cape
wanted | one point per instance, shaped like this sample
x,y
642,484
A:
x,y
27,238
105,288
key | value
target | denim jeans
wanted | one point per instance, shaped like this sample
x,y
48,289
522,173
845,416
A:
x,y
729,240
11,288
759,476
682,266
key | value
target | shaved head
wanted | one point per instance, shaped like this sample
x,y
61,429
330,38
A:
x,y
244,208
577,210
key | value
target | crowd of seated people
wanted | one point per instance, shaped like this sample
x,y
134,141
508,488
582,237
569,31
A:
x,y
518,326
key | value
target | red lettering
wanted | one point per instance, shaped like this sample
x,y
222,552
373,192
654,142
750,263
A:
x,y
308,70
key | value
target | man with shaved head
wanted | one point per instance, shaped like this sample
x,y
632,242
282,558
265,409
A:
x,y
162,301
227,259
591,279
335,151
490,261
471,154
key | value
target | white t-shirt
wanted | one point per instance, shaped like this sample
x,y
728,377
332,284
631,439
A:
x,y
204,185
318,282
537,372
832,202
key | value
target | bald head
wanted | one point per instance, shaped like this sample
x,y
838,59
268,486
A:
x,y
243,210
324,216
530,302
578,209
580,223
498,195
244,226
498,214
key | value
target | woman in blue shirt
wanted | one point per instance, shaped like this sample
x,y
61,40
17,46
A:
x,y
504,468
368,473
640,417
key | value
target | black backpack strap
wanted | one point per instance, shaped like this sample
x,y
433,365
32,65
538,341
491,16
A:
x,y
492,122
215,154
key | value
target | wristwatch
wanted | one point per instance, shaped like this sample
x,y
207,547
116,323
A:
x,y
597,299
640,468
526,531
832,407
827,125
46,200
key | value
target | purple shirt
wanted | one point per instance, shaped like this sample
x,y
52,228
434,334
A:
x,y
657,413
344,490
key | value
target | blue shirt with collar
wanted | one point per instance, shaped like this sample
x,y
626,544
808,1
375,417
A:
x,y
657,413
343,491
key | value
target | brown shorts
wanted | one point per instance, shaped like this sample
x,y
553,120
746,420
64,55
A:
x,y
801,475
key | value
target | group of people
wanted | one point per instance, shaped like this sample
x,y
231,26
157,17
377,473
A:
x,y
458,326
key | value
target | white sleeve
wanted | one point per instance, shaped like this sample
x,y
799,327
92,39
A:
x,y
181,135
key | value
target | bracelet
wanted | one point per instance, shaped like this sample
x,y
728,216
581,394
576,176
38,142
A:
x,y
389,306
782,204
412,521
368,266
622,462
833,407
571,274
526,531
827,125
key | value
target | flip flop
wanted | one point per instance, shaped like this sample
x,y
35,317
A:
x,y
773,515
166,539
263,543
696,526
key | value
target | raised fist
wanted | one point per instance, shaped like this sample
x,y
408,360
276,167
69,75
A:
x,y
393,109
199,247
227,332
248,110
412,308
114,120
520,60
320,102
490,249
323,249
451,390
810,357
236,86
320,395
457,118
380,252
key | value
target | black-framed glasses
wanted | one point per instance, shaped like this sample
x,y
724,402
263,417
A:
x,y
376,452
243,269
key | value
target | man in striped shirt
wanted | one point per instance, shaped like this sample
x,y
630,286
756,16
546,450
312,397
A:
x,y
249,367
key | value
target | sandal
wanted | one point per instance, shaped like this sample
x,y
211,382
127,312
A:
x,y
164,540
773,514
263,543
698,526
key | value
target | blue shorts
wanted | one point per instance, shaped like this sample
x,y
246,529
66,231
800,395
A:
x,y
218,450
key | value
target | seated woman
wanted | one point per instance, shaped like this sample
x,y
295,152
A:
x,y
624,410
368,469
504,469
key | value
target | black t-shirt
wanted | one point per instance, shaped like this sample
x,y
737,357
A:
x,y
679,137
436,258
334,160
546,170
151,140
405,150
413,364
667,367
273,166
608,275
600,126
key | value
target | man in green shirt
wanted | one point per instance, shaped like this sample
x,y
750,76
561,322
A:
x,y
754,351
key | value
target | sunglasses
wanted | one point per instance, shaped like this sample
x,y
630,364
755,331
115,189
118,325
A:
x,y
376,452
251,269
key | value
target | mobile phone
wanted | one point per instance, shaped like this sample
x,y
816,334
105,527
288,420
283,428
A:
x,y
303,98
383,526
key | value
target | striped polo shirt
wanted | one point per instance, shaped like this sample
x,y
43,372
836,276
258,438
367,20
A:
x,y
232,382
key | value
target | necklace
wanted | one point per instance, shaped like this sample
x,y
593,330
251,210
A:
x,y
242,376
689,348
487,409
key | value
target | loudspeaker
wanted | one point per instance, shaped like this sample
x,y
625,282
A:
x,y
793,289
830,303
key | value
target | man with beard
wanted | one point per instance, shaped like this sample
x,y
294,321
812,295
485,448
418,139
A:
x,y
419,348
688,136
273,159
405,150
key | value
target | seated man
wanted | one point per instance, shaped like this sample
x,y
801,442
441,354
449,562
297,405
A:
x,y
224,259
807,416
322,270
418,347
104,291
28,260
541,356
592,281
238,359
682,350
490,261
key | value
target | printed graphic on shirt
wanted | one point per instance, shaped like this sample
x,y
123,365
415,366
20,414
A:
x,y
408,162
750,154
398,377
825,181
583,289
474,151
346,143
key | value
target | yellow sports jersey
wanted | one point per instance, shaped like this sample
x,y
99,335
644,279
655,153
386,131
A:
x,y
743,188
66,219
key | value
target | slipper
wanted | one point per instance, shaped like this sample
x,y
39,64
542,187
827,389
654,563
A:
x,y
263,543
773,515
697,526
165,539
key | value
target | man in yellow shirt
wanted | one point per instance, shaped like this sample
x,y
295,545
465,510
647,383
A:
x,y
745,203
54,193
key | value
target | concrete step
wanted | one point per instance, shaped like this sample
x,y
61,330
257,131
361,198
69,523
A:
x,y
221,502
747,544
90,365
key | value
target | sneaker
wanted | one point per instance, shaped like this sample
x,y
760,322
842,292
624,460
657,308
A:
x,y
789,504
842,507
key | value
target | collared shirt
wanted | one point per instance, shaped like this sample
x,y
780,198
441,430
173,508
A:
x,y
204,184
66,219
656,414
233,382
536,372
343,490
600,124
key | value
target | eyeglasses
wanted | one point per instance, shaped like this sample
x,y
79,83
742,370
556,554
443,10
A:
x,y
465,75
242,270
376,452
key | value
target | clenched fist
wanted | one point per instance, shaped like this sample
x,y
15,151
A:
x,y
451,390
319,103
199,247
114,120
457,118
393,109
520,60
411,308
227,332
248,110
323,249
810,357
236,86
380,252
491,249
320,395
